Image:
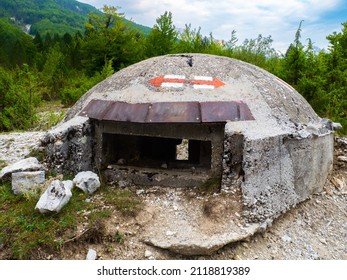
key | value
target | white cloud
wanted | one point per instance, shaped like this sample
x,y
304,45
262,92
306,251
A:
x,y
280,19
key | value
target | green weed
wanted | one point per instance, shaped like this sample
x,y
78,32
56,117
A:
x,y
28,234
119,237
124,201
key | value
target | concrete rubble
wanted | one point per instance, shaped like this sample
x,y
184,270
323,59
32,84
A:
x,y
27,164
56,196
87,181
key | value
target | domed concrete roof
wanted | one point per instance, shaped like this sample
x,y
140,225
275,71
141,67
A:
x,y
206,78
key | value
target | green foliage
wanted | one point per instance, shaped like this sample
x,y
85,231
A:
x,y
256,51
119,237
82,83
48,15
109,38
163,36
18,98
62,64
16,47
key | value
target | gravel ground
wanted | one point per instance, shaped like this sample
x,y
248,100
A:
x,y
15,146
314,229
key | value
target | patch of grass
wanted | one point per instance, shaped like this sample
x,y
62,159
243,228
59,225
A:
x,y
100,215
119,237
25,232
49,115
125,201
38,153
2,164
211,185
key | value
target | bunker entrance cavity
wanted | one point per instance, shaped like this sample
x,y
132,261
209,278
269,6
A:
x,y
156,152
159,154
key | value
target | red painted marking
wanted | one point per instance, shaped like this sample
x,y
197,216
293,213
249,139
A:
x,y
215,82
157,81
161,79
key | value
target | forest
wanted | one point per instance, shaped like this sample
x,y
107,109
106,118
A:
x,y
61,67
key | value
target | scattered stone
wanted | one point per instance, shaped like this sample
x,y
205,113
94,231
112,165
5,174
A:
x,y
23,182
148,254
91,255
342,158
56,196
323,241
139,192
286,238
123,184
339,184
27,164
87,181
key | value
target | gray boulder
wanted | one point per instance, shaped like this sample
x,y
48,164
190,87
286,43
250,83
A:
x,y
27,164
56,196
87,181
23,182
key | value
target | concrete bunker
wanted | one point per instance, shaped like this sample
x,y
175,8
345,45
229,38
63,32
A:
x,y
234,121
162,143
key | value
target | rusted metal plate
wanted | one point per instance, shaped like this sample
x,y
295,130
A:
x,y
95,109
224,111
245,112
174,112
168,112
126,112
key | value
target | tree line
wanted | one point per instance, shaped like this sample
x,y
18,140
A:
x,y
63,67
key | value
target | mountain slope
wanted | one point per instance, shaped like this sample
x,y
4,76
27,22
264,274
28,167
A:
x,y
54,16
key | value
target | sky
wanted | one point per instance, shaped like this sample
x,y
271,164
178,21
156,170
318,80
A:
x,y
249,18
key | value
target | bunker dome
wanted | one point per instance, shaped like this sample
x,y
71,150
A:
x,y
187,119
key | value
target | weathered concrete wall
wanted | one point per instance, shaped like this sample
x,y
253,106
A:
x,y
312,160
268,187
233,173
277,172
69,147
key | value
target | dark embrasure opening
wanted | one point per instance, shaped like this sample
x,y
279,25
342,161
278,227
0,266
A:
x,y
156,152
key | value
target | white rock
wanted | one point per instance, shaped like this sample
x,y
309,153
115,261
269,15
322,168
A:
x,y
342,158
286,238
27,164
56,196
87,181
23,182
91,255
148,254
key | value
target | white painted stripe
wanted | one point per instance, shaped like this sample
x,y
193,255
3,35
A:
x,y
172,85
203,86
203,78
174,77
